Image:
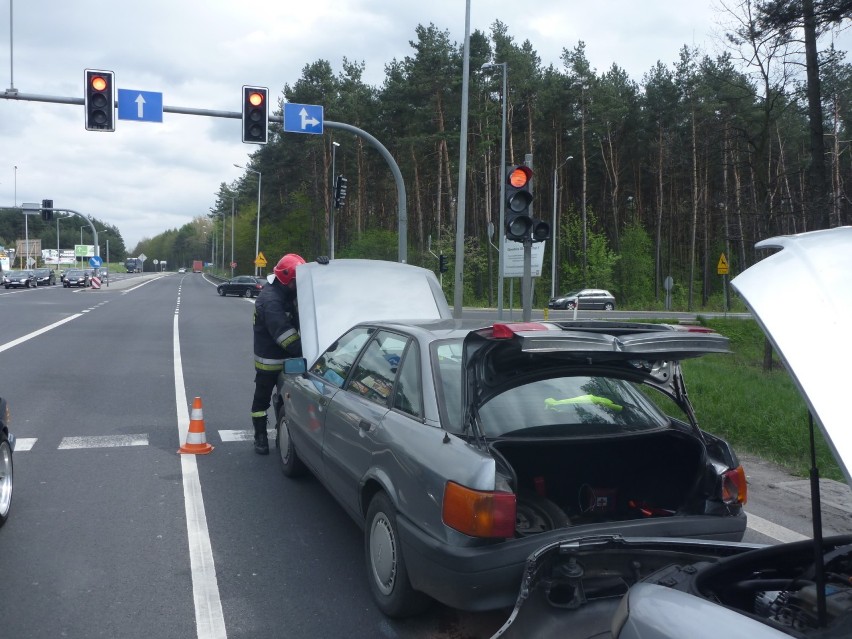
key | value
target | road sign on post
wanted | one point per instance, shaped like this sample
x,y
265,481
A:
x,y
722,266
142,106
303,118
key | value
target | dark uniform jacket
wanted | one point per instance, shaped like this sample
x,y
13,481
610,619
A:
x,y
276,328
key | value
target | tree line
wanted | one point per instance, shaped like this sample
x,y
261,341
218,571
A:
x,y
649,179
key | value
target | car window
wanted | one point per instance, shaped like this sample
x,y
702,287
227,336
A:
x,y
577,405
408,396
334,364
375,372
448,357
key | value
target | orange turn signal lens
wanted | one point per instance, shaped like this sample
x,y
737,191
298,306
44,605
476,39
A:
x,y
735,486
479,513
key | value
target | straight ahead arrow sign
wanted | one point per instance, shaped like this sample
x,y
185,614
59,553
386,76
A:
x,y
142,106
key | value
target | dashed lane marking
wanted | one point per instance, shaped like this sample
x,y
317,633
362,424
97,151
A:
x,y
103,441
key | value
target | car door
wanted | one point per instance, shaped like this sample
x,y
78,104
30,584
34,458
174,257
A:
x,y
309,396
356,414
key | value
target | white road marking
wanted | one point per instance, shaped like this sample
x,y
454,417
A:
x,y
209,617
242,435
779,533
24,443
103,441
29,336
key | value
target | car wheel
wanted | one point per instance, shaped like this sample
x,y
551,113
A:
x,y
222,292
5,480
609,306
386,569
569,306
246,293
291,465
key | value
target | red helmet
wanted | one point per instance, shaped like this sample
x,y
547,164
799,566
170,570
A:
x,y
285,270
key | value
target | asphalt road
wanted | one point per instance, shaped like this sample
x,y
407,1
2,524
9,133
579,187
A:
x,y
113,534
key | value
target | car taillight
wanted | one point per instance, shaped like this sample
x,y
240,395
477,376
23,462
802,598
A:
x,y
508,330
479,513
734,486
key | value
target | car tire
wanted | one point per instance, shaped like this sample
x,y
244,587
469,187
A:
x,y
386,569
246,294
569,306
222,292
609,306
291,465
6,477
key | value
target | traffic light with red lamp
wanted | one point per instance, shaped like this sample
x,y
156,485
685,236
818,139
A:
x,y
520,226
99,100
47,210
442,263
255,115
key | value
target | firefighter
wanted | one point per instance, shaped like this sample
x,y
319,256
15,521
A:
x,y
276,337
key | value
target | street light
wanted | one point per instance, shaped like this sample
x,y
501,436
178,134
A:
x,y
501,253
334,146
85,226
106,237
257,233
233,205
555,231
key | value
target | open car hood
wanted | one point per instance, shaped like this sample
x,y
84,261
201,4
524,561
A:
x,y
334,297
802,298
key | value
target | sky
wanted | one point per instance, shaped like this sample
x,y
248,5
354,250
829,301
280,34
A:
x,y
146,178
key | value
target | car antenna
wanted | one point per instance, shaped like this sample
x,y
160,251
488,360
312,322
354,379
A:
x,y
816,515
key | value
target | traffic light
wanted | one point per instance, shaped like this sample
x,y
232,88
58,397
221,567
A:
x,y
255,115
340,190
519,224
442,263
47,216
99,100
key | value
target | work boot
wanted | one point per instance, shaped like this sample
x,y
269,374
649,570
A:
x,y
261,443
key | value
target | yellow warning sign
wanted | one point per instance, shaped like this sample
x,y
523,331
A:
x,y
260,260
722,266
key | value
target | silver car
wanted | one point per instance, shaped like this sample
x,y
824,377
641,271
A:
x,y
460,448
612,586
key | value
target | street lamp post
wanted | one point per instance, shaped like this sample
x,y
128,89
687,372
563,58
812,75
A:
x,y
334,146
233,205
81,243
502,236
257,233
555,231
107,254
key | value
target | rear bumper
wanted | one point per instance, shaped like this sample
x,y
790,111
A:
x,y
488,577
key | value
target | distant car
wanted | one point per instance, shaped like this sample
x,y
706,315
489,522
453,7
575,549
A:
x,y
242,285
585,299
182,270
45,276
103,274
7,446
76,277
459,447
19,279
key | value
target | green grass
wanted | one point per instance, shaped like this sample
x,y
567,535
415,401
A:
x,y
757,412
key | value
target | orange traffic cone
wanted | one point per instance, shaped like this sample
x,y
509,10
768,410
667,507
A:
x,y
196,439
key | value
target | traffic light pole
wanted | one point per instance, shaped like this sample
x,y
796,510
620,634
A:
x,y
402,214
526,281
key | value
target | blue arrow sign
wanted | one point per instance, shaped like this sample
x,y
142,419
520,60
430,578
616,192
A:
x,y
302,118
142,106
95,261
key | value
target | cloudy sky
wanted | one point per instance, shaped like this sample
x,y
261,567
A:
x,y
146,178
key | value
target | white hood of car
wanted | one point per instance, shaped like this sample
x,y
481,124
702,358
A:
x,y
802,297
334,297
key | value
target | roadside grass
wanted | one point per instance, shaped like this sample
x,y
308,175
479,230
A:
x,y
757,412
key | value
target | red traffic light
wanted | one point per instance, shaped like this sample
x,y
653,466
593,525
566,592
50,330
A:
x,y
520,176
255,99
99,83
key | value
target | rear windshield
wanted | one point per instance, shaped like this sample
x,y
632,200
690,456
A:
x,y
567,406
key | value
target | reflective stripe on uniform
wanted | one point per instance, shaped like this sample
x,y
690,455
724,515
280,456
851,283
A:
x,y
287,337
260,413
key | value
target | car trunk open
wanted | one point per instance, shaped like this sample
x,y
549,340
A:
x,y
570,483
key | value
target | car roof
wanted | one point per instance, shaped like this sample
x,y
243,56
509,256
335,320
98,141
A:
x,y
814,348
334,297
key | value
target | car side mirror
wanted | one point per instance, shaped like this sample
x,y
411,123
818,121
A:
x,y
295,366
